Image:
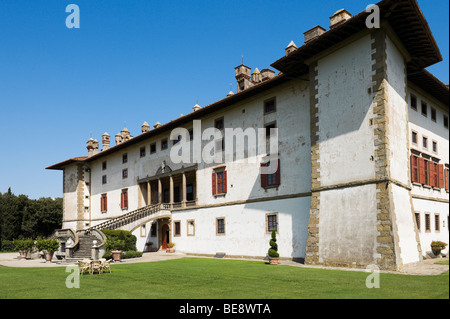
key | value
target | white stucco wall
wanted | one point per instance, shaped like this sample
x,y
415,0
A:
x,y
345,108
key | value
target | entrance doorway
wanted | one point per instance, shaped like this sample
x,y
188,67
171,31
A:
x,y
165,236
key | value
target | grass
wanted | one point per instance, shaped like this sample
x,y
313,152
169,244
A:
x,y
198,278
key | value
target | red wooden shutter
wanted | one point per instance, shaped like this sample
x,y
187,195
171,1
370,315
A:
x,y
414,169
441,175
422,179
121,200
432,174
263,176
214,183
106,203
277,174
446,179
224,181
125,199
102,204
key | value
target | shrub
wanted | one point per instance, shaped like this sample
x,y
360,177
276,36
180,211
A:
x,y
170,245
7,246
438,244
48,245
126,236
273,251
23,244
131,254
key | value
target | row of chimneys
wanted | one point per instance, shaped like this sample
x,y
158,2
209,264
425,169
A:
x,y
123,136
243,77
246,80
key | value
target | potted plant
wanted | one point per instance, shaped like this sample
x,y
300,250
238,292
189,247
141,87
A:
x,y
24,246
116,247
437,247
170,248
48,246
149,245
273,250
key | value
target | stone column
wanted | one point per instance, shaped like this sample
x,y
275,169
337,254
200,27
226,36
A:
x,y
171,189
149,193
159,191
183,190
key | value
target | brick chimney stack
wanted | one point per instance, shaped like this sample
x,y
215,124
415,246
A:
x,y
106,141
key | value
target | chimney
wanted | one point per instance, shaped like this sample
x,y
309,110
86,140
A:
x,y
256,76
106,140
157,125
230,93
95,144
313,33
90,147
267,74
339,17
119,138
126,136
196,107
145,127
243,77
290,48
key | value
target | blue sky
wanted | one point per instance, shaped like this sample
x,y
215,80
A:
x,y
135,61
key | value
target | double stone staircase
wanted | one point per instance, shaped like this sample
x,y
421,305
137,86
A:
x,y
81,242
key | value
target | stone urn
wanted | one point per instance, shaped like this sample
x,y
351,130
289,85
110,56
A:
x,y
117,255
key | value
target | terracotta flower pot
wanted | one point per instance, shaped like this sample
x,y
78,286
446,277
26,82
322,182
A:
x,y
48,256
117,255
273,261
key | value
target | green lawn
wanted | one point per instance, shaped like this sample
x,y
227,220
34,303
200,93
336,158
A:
x,y
200,278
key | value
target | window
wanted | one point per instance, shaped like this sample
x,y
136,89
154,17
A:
x,y
436,223
433,114
124,199
268,129
415,169
413,102
104,203
191,227
273,177
425,142
177,227
427,223
434,147
218,124
164,144
446,121
153,230
142,151
272,222
269,106
104,165
417,220
191,134
441,177
104,179
125,173
124,158
177,140
220,226
219,182
424,109
152,148
189,192
414,137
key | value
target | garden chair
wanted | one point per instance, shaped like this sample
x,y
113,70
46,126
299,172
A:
x,y
84,266
96,266
106,264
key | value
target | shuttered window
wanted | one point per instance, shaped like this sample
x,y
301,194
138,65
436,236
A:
x,y
219,182
124,199
274,177
414,169
104,203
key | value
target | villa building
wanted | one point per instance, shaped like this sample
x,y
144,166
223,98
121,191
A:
x,y
361,168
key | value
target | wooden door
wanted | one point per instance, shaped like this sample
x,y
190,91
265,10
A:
x,y
165,236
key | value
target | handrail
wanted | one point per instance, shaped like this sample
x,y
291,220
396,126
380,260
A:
x,y
131,216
